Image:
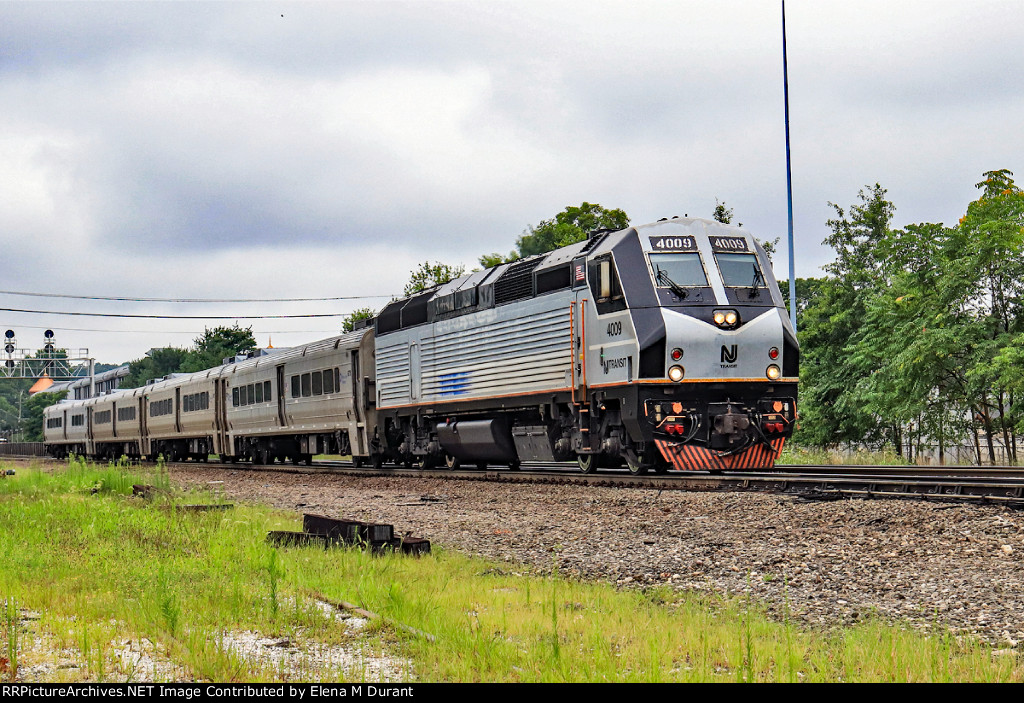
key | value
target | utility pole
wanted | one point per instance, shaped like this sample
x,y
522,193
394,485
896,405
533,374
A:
x,y
789,176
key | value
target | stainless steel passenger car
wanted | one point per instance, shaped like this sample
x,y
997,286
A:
x,y
313,399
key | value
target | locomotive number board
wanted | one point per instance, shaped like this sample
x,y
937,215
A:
x,y
728,244
673,243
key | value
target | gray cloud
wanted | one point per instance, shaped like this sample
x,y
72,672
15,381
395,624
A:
x,y
369,136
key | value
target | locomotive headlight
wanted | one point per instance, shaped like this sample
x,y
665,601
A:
x,y
676,374
773,372
726,318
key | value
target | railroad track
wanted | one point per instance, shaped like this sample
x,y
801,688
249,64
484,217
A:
x,y
1002,485
995,485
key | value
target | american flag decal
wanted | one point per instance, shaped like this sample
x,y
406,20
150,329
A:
x,y
580,274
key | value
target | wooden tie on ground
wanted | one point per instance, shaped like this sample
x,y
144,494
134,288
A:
x,y
333,532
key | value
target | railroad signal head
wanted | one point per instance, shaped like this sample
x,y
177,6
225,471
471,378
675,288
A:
x,y
9,334
9,363
48,334
48,348
9,348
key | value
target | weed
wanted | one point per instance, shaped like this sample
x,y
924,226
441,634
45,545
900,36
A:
x,y
11,625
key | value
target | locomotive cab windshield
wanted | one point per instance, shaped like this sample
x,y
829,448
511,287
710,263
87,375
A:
x,y
740,271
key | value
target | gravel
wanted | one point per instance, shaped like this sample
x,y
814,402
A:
x,y
828,563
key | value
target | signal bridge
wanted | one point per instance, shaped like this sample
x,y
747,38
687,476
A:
x,y
50,361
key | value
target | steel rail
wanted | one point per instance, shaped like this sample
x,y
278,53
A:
x,y
1004,486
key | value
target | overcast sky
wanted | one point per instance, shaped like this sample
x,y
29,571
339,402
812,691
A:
x,y
265,150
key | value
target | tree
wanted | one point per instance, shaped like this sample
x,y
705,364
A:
x,y
574,224
722,213
32,414
349,323
157,363
833,411
807,292
496,259
428,275
214,345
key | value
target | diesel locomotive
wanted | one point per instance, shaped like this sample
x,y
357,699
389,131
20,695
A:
x,y
657,347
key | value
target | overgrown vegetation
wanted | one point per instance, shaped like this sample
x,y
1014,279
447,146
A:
x,y
100,567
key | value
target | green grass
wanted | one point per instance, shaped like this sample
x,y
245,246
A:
x,y
825,457
100,566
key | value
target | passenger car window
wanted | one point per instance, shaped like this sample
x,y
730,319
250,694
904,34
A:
x,y
306,388
329,381
295,386
266,391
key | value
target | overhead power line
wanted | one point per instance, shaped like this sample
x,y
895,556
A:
x,y
62,328
176,317
190,300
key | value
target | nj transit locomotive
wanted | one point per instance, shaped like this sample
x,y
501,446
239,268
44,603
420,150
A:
x,y
661,346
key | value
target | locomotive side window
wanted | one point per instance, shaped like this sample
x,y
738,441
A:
x,y
604,284
234,397
684,269
740,269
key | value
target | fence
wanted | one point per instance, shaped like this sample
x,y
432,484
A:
x,y
22,449
928,454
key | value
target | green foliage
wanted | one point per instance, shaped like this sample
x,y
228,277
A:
x,y
214,345
32,414
574,224
427,275
156,364
349,323
916,334
496,259
208,350
807,292
722,213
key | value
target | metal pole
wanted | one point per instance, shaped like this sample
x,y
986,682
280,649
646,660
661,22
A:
x,y
789,176
92,378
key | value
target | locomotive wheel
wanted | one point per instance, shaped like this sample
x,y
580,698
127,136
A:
x,y
514,465
586,463
637,469
481,465
451,462
661,468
